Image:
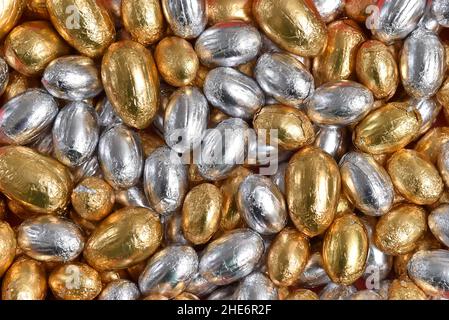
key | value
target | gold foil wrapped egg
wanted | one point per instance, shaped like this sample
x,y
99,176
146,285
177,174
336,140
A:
x,y
39,183
415,177
10,13
84,24
176,61
201,213
387,129
302,294
398,231
75,281
345,249
287,257
25,280
93,199
338,59
31,46
131,82
377,69
36,9
125,238
292,24
227,10
294,129
144,20
230,215
430,144
312,189
8,246
18,83
358,9
404,289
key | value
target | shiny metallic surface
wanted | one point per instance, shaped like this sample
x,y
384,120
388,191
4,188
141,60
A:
x,y
443,162
173,230
438,221
132,197
10,13
366,183
378,263
165,180
201,212
428,269
90,168
333,291
143,19
120,156
120,290
422,64
222,149
223,293
256,286
90,33
187,18
440,9
429,109
262,205
8,245
50,238
340,103
131,82
314,274
387,129
415,177
72,78
279,177
365,295
338,60
30,46
333,140
231,257
377,69
200,286
185,120
62,284
26,116
345,249
313,186
398,231
45,185
75,134
26,279
4,75
125,238
232,92
397,19
106,114
284,77
169,271
287,256
228,44
329,9
176,61
293,25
